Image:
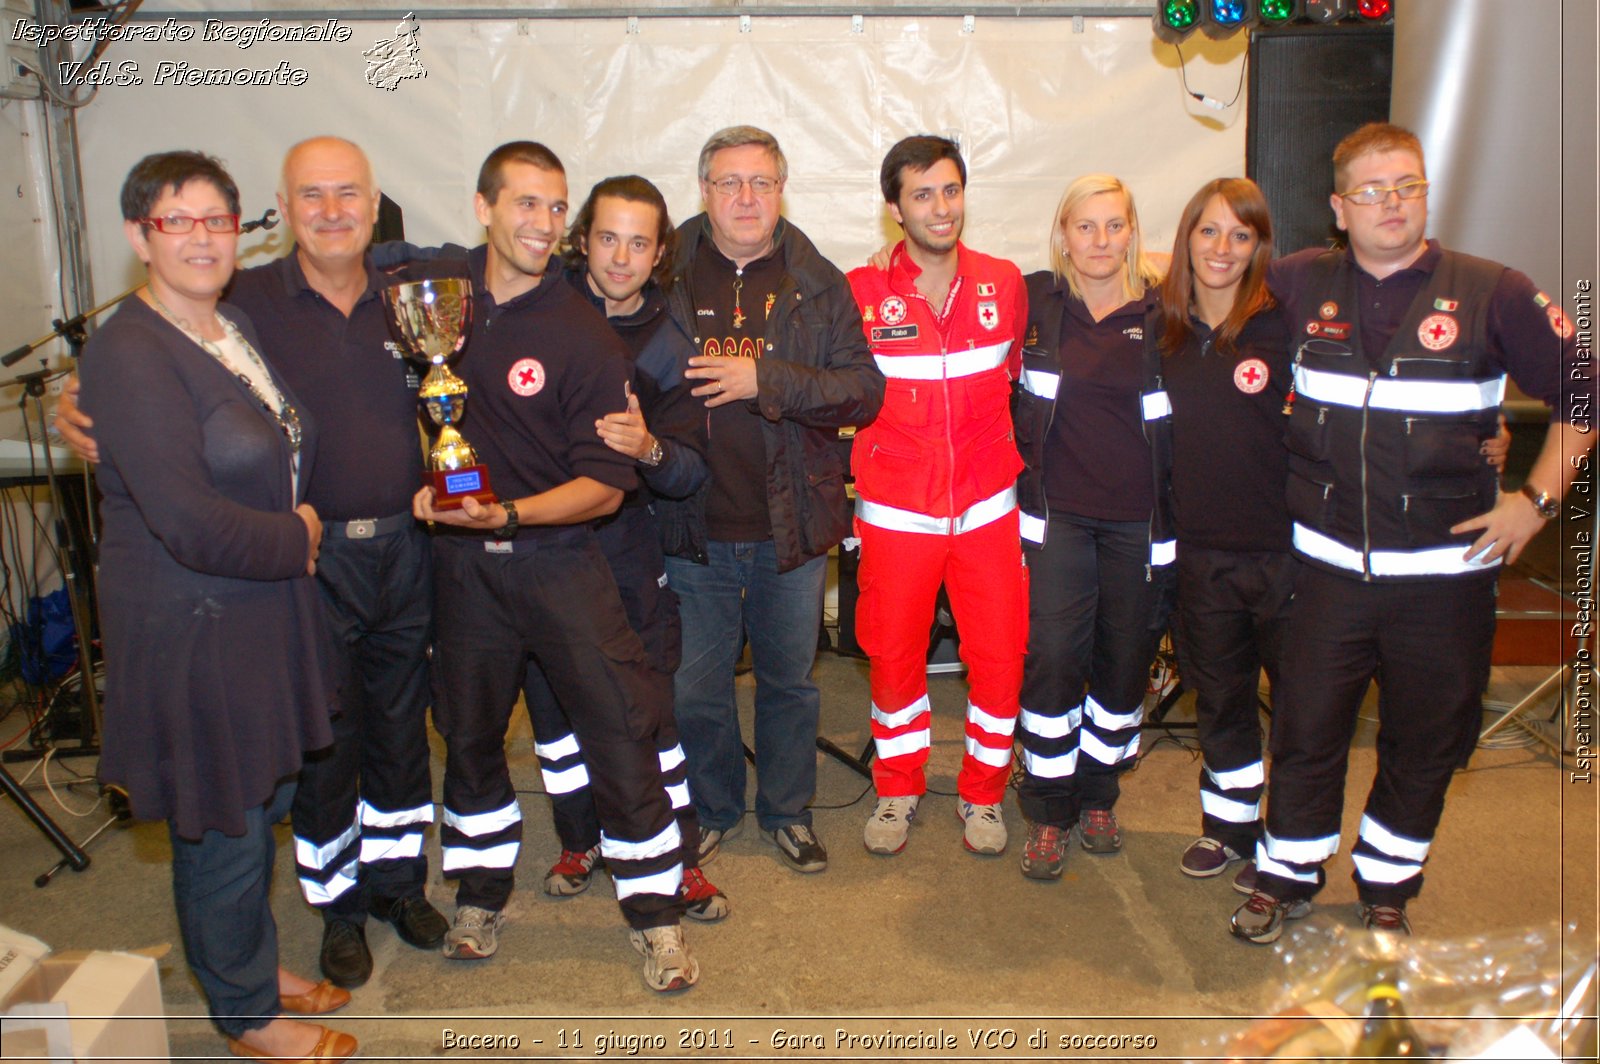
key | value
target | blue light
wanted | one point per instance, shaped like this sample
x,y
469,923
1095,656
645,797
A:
x,y
1229,12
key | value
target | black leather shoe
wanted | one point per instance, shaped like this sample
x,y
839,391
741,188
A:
x,y
417,922
345,959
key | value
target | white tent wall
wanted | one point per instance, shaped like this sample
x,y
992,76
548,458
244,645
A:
x,y
1035,102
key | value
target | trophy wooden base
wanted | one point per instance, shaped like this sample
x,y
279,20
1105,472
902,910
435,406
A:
x,y
452,486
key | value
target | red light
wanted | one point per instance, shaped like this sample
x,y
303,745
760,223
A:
x,y
1373,9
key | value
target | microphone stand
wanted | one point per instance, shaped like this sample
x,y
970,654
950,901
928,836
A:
x,y
77,574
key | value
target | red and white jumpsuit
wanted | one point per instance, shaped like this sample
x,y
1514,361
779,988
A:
x,y
936,485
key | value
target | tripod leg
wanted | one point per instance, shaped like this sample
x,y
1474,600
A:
x,y
70,851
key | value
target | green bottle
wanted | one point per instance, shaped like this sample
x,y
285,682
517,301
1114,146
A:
x,y
1385,1029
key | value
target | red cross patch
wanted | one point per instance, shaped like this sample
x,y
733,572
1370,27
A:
x,y
1328,309
1250,376
526,377
1438,331
988,314
1559,322
892,311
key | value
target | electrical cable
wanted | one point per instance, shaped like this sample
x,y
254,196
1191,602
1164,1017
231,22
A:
x,y
1209,101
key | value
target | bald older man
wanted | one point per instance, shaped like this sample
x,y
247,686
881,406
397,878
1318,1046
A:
x,y
364,803
361,810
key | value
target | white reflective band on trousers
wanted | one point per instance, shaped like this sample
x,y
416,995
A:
x,y
962,363
980,513
1432,561
1418,397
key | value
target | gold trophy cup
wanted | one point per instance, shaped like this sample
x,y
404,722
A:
x,y
431,320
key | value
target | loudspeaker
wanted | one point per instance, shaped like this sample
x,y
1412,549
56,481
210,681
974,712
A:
x,y
1309,87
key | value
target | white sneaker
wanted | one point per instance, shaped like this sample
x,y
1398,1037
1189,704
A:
x,y
475,934
668,964
890,823
985,831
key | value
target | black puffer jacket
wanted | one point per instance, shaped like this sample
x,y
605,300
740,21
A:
x,y
815,376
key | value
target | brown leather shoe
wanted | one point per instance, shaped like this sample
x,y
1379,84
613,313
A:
x,y
333,1045
322,998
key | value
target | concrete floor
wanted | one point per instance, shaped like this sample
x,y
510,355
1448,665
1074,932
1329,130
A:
x,y
935,940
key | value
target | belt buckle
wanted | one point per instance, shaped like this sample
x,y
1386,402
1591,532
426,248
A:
x,y
363,529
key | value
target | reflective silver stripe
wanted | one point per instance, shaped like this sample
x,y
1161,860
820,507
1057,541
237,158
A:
x,y
670,759
1300,851
309,855
1105,718
1156,405
989,722
1392,844
1163,551
679,793
995,757
1039,382
980,513
900,745
338,884
478,825
1267,864
557,749
664,883
1419,397
1046,726
1376,870
566,780
456,858
377,848
1032,528
962,363
1432,561
1104,753
1051,768
377,818
901,717
663,842
1251,775
1213,804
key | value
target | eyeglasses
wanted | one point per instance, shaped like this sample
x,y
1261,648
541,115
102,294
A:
x,y
1371,195
178,224
761,186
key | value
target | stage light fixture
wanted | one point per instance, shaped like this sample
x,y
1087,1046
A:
x,y
1277,12
1176,20
1325,10
1375,10
1224,18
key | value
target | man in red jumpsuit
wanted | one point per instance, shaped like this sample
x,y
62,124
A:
x,y
935,479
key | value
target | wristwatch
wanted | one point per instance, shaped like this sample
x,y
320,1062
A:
x,y
509,529
653,456
1546,505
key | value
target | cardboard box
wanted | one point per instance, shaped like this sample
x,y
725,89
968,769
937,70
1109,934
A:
x,y
79,1005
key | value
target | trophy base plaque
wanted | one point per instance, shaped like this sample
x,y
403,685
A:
x,y
452,486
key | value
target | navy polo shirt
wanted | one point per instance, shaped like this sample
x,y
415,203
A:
x,y
351,377
1097,460
541,369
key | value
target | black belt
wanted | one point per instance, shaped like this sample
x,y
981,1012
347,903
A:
x,y
368,527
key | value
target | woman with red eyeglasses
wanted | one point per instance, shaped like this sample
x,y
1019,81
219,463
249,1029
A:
x,y
214,677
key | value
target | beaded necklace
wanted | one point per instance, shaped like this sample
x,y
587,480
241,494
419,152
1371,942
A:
x,y
282,412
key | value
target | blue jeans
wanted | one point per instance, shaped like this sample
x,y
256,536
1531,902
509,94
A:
x,y
781,614
221,886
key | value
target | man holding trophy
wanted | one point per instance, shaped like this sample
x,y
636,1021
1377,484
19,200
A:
x,y
521,584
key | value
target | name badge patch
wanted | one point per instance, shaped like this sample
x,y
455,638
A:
x,y
881,334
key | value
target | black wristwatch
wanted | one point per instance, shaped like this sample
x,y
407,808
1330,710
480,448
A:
x,y
1545,505
509,529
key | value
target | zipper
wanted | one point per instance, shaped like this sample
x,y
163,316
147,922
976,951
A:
x,y
1366,503
949,440
1394,367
